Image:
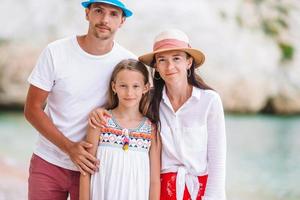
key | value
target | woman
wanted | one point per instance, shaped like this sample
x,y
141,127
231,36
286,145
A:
x,y
192,121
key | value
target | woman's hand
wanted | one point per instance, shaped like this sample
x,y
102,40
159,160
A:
x,y
98,118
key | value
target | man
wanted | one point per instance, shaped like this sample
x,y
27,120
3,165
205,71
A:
x,y
71,77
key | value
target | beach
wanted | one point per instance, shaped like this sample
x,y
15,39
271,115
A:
x,y
13,182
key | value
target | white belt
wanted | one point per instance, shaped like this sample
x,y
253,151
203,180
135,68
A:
x,y
191,182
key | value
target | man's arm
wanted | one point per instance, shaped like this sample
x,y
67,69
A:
x,y
35,114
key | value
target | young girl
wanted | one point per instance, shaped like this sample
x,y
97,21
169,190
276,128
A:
x,y
128,147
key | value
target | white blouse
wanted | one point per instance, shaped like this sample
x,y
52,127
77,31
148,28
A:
x,y
194,143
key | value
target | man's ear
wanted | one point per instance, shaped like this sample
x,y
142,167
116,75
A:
x,y
122,21
87,11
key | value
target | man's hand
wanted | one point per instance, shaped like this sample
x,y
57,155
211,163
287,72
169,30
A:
x,y
98,118
83,160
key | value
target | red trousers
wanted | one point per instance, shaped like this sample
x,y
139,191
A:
x,y
50,182
168,187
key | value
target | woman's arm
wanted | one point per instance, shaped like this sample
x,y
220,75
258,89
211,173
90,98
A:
x,y
216,152
155,165
84,187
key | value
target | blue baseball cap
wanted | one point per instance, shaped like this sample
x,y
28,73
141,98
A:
x,y
116,3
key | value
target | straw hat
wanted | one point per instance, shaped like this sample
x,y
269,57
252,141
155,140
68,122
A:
x,y
170,40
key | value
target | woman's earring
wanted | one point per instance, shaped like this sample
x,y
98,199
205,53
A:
x,y
157,78
114,93
189,72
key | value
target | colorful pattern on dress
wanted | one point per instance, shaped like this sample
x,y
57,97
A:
x,y
139,138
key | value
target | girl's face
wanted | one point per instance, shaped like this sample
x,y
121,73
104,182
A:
x,y
129,85
173,65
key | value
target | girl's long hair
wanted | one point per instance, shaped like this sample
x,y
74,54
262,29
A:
x,y
158,85
133,65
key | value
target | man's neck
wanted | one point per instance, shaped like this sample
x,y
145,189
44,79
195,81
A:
x,y
95,46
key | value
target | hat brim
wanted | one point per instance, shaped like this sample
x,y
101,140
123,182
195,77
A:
x,y
197,55
127,12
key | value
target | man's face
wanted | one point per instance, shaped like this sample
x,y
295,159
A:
x,y
104,20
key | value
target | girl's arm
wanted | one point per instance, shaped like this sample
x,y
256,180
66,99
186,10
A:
x,y
155,165
84,187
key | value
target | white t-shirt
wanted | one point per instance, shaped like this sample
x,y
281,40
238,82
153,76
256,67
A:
x,y
77,83
194,142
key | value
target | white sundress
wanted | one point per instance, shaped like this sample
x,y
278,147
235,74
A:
x,y
123,175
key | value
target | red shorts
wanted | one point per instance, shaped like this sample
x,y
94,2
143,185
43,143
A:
x,y
48,182
168,187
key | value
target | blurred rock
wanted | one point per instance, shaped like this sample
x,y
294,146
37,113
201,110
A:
x,y
16,63
288,91
242,64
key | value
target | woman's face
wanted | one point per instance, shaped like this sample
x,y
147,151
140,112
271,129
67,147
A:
x,y
173,65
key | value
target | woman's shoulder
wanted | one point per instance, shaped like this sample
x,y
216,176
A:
x,y
208,98
207,93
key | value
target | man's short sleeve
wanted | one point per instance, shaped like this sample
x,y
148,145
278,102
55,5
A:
x,y
43,75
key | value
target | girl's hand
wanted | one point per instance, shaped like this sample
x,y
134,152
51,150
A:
x,y
98,118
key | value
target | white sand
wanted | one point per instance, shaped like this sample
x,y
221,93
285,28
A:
x,y
13,180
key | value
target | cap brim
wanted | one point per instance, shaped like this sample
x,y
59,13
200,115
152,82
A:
x,y
198,56
127,12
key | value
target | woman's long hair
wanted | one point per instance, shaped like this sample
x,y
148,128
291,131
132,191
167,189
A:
x,y
158,85
133,65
